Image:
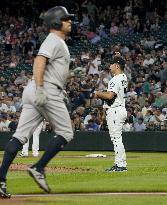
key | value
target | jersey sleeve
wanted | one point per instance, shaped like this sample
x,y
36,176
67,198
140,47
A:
x,y
49,47
113,85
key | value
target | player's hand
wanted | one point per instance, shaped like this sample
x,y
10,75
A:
x,y
65,99
41,96
95,95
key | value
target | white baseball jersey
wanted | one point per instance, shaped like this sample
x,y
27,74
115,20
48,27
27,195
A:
x,y
118,84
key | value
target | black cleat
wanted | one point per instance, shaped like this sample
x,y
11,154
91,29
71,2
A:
x,y
3,192
39,178
115,168
111,169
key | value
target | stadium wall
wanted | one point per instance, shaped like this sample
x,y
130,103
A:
x,y
100,141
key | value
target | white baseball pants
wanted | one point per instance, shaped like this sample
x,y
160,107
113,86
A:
x,y
35,145
115,120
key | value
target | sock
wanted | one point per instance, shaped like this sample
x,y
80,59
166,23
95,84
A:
x,y
55,145
13,146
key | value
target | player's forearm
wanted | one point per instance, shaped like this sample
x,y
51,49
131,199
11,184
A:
x,y
39,69
105,95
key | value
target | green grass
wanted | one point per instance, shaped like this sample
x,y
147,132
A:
x,y
91,200
147,172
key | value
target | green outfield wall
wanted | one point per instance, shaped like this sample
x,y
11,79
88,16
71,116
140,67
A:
x,y
100,141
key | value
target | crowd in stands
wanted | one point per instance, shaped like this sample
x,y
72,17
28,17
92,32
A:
x,y
98,33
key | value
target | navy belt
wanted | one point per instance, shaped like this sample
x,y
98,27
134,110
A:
x,y
115,107
58,87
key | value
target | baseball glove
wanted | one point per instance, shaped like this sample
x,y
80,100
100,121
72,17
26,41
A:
x,y
109,102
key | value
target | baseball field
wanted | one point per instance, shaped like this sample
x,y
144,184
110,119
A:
x,y
78,180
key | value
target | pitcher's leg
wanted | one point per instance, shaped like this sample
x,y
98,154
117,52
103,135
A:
x,y
115,121
120,155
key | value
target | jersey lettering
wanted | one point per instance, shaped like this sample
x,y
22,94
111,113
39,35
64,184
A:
x,y
124,84
111,85
118,85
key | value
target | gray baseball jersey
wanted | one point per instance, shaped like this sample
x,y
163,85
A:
x,y
55,76
57,70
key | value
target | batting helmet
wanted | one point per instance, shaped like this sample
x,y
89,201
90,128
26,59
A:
x,y
53,17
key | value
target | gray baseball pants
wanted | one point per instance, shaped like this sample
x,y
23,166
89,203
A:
x,y
54,111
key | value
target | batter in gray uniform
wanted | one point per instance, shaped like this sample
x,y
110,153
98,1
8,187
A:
x,y
43,98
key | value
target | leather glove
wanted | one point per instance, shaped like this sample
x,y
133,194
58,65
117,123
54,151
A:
x,y
41,96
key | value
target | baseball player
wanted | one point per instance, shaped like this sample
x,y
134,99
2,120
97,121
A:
x,y
115,111
43,98
35,144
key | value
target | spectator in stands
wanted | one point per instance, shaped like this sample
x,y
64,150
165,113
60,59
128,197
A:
x,y
148,60
148,118
77,99
145,108
28,46
85,20
131,94
139,126
126,126
13,124
156,86
4,123
164,125
3,106
164,95
91,126
114,29
93,66
77,123
80,111
88,117
22,78
146,57
10,104
158,116
14,62
159,100
91,8
142,99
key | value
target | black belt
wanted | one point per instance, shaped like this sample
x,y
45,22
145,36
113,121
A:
x,y
114,107
58,87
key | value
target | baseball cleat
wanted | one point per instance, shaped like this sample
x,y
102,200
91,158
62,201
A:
x,y
23,154
111,169
35,154
39,178
3,192
115,168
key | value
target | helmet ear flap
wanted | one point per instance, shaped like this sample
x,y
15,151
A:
x,y
57,25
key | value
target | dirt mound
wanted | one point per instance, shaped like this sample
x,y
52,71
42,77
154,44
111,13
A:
x,y
23,167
